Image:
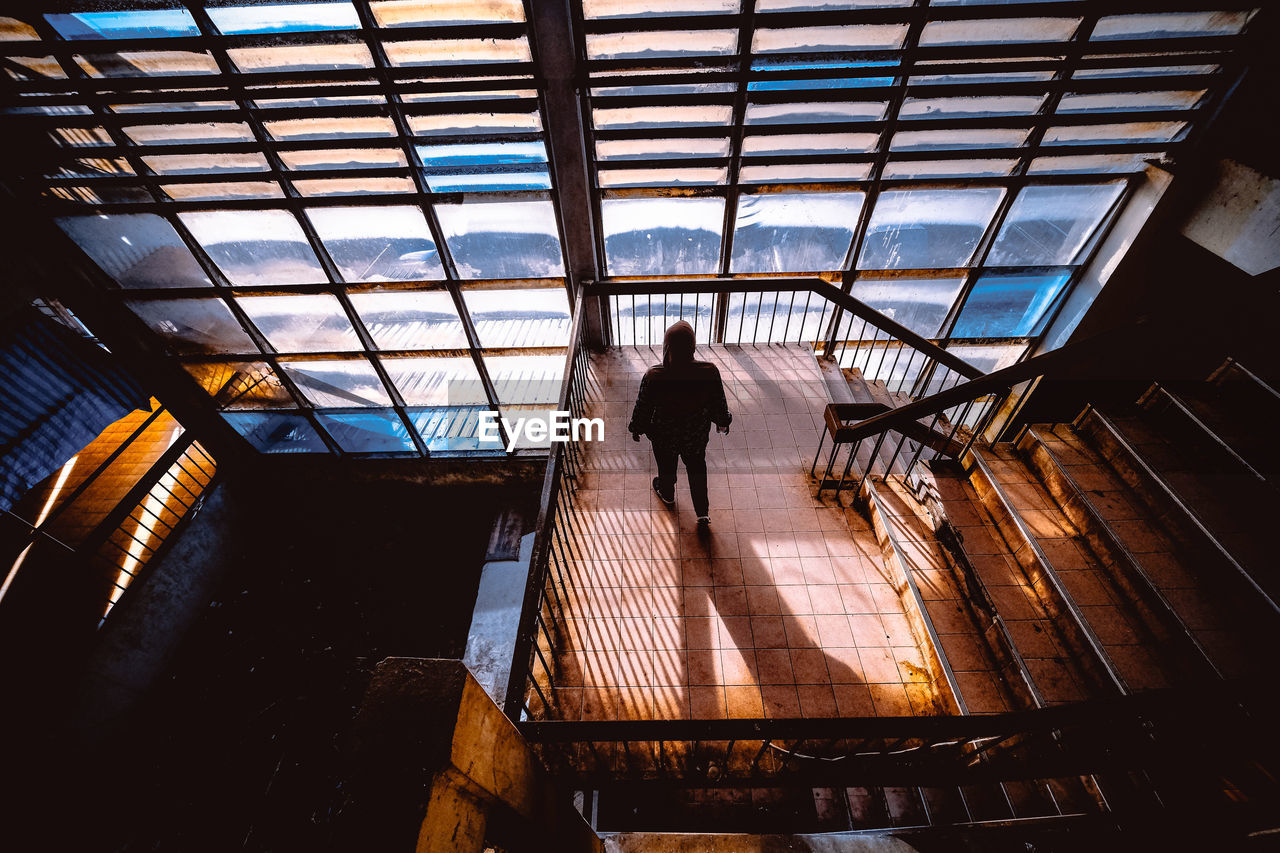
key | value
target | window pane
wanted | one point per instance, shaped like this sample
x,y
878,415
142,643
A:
x,y
816,113
1117,101
662,236
1091,163
1009,306
214,191
241,384
594,9
502,240
452,428
284,18
927,228
661,149
620,118
277,433
256,246
454,124
136,249
330,128
343,158
367,432
807,144
457,51
1170,25
338,384
436,381
199,164
661,177
1049,225
941,140
526,379
148,63
829,39
987,357
189,134
1103,134
378,243
649,45
486,166
802,232
408,321
998,31
1001,105
132,24
814,172
301,57
534,317
415,13
302,323
194,326
919,304
946,168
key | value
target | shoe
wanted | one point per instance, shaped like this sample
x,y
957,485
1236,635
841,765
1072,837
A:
x,y
704,521
669,501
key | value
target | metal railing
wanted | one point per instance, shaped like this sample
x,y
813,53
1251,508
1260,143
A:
x,y
795,310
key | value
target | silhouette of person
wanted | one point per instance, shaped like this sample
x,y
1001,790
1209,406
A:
x,y
678,401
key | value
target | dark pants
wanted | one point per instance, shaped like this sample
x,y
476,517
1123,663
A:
x,y
695,466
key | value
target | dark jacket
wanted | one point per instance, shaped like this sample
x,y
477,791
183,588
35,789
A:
x,y
680,398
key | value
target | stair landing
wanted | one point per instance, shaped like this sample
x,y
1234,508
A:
x,y
784,610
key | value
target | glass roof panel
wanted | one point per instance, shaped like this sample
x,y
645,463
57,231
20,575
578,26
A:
x,y
800,232
214,191
1090,163
457,51
308,323
128,24
1049,225
147,63
596,9
814,113
1008,306
420,13
35,67
661,149
662,236
11,29
779,144
367,432
527,317
502,239
466,124
651,45
947,168
486,166
301,57
139,250
662,177
526,379
666,116
378,243
351,186
988,357
919,304
1162,25
829,39
436,381
450,429
276,432
411,320
1145,71
284,17
198,164
342,158
1095,134
985,137
330,383
194,326
998,31
989,105
1129,101
825,5
329,128
241,384
918,229
255,247
804,173
188,134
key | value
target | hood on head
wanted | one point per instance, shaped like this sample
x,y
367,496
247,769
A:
x,y
678,345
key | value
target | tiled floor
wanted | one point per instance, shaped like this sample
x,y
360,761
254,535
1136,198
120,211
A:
x,y
784,609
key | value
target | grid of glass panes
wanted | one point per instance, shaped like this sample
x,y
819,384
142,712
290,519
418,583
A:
x,y
336,215
951,163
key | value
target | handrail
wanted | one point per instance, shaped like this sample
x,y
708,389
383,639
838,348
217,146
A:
x,y
814,285
535,584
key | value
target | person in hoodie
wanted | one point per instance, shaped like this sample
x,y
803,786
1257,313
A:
x,y
678,401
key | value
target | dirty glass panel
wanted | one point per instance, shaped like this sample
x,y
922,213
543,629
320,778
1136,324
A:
x,y
664,43
289,103
593,9
988,357
451,428
927,228
415,13
661,149
196,164
213,191
443,381
814,113
998,31
254,247
1099,134
662,236
11,29
947,168
194,326
486,166
173,106
665,116
825,5
1091,163
284,18
378,243
841,71
300,57
1050,225
1008,306
130,24
136,249
800,232
919,304
241,384
277,433
475,123
661,177
1161,25
367,432
528,317
328,128
829,39
803,172
1145,71
1114,101
782,144
994,105
338,384
421,319
502,239
189,134
343,158
87,168
941,140
31,67
302,323
148,63
457,51
352,186
526,379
